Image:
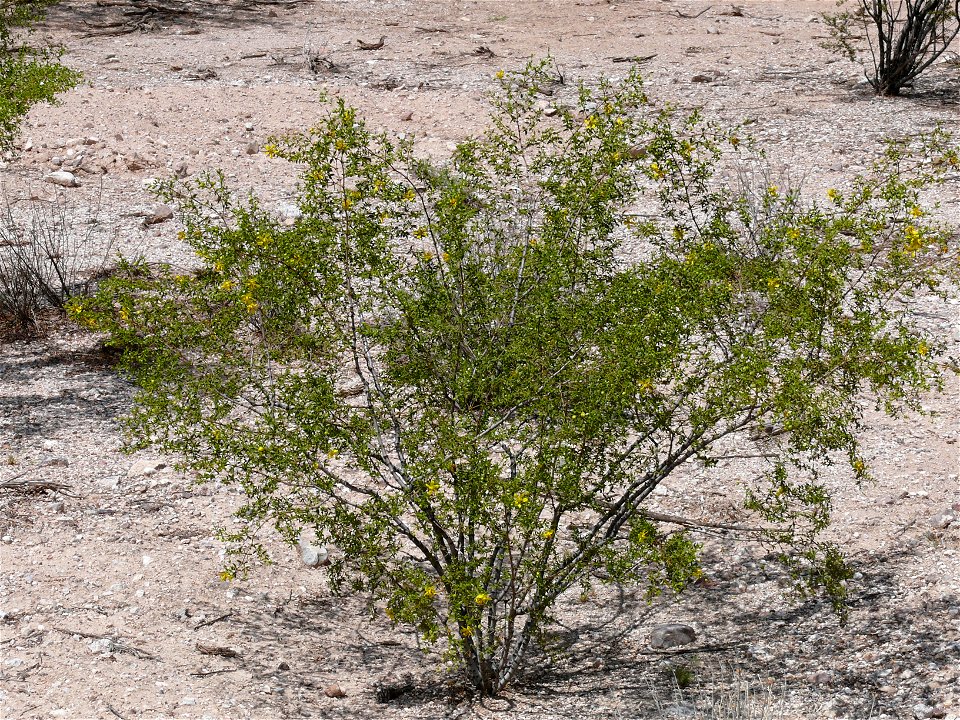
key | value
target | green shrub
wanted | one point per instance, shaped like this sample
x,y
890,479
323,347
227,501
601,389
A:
x,y
904,37
28,75
468,378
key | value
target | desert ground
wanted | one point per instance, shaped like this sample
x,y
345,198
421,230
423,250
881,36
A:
x,y
111,605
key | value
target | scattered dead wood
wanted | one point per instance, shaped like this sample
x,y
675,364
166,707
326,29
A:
x,y
115,644
32,486
694,16
207,673
632,58
206,623
218,651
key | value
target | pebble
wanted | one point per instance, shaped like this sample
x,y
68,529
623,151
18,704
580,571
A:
x,y
944,519
253,147
63,179
158,214
146,467
671,635
312,555
334,691
406,116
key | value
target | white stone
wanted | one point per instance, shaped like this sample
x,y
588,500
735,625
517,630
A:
x,y
63,178
312,555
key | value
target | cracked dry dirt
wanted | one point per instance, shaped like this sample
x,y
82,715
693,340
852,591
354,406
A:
x,y
110,602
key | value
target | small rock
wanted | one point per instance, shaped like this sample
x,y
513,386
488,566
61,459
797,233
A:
x,y
334,691
253,147
188,701
406,116
701,78
821,677
283,666
135,162
63,179
944,519
922,711
57,507
146,560
101,646
7,539
671,635
55,462
145,467
158,214
312,555
248,127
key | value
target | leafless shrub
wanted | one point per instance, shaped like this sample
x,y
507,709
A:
x,y
45,259
904,37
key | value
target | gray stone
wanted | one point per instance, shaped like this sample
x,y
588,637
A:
x,y
312,555
158,214
671,635
944,519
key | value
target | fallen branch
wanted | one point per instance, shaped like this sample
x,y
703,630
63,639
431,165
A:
x,y
34,487
115,644
693,17
214,620
218,651
632,58
206,673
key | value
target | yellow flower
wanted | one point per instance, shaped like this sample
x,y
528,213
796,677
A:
x,y
341,145
430,591
645,386
446,257
218,266
591,122
226,575
249,303
547,534
467,631
124,315
656,172
252,283
347,203
520,499
433,487
420,232
859,466
772,283
332,452
793,233
923,349
916,212
226,285
914,238
499,75
773,191
264,239
834,194
427,255
270,150
410,195
482,599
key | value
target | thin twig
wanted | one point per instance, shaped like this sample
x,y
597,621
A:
x,y
112,710
214,620
206,673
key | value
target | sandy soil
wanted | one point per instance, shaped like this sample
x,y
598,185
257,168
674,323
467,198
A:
x,y
110,601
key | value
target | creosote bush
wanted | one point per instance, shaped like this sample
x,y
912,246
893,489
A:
x,y
904,37
28,74
468,378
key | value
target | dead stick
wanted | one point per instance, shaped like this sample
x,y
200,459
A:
x,y
110,708
215,620
205,673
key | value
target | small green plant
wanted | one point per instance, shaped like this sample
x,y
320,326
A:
x,y
28,74
468,378
683,675
904,37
